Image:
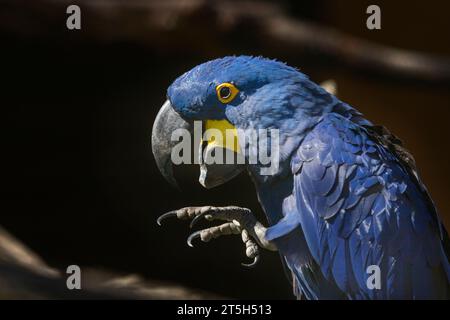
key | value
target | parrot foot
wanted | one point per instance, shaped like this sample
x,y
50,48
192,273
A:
x,y
240,221
252,250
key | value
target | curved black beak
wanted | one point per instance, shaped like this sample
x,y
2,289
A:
x,y
166,122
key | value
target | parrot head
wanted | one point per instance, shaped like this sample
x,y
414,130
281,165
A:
x,y
234,95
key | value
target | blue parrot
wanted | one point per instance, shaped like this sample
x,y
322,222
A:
x,y
346,208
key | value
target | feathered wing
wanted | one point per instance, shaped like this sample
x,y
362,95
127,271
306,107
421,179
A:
x,y
358,205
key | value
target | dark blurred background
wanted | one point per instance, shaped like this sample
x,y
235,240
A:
x,y
80,185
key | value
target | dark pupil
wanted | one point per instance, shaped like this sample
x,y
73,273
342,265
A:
x,y
225,92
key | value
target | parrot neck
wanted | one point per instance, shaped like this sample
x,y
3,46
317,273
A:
x,y
280,121
281,139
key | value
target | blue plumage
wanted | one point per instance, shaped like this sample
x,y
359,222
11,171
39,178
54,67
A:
x,y
371,212
346,195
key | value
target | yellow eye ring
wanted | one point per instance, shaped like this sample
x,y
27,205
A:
x,y
226,92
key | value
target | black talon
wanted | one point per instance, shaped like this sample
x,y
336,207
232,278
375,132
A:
x,y
194,235
251,265
166,215
197,218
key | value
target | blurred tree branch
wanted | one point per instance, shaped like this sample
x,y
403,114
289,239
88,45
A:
x,y
24,275
194,26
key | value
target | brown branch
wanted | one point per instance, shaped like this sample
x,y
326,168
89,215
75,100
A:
x,y
202,26
24,275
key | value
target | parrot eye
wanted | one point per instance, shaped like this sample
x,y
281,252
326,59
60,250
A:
x,y
226,92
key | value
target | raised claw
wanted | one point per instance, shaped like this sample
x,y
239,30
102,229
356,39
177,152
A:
x,y
165,216
194,235
253,264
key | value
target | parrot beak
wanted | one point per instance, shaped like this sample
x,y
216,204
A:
x,y
211,174
166,122
224,144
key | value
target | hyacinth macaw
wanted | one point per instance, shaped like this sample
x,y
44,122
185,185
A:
x,y
346,194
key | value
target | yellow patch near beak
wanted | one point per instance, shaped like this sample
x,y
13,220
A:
x,y
222,134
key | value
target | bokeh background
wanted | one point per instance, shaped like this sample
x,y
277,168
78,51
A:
x,y
80,185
